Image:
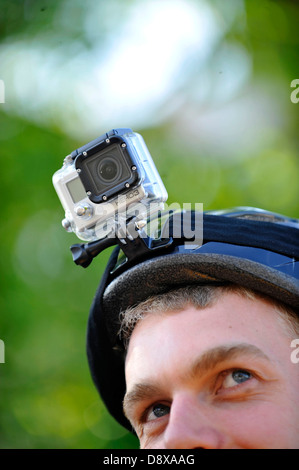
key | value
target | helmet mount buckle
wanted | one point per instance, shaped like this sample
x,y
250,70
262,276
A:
x,y
133,241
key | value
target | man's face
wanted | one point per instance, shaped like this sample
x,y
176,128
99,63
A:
x,y
220,377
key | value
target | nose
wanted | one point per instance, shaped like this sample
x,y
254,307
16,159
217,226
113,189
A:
x,y
191,427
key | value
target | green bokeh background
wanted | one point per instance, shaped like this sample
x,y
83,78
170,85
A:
x,y
216,144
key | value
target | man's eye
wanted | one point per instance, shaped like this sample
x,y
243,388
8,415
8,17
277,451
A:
x,y
236,377
157,411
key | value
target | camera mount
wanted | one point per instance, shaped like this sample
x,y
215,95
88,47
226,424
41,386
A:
x,y
135,243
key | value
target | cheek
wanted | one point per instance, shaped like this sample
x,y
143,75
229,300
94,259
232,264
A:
x,y
258,425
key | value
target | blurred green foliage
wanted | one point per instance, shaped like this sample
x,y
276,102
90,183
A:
x,y
47,399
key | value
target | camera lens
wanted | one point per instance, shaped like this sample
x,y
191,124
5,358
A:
x,y
108,169
106,172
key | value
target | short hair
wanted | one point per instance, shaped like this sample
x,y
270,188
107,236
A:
x,y
200,297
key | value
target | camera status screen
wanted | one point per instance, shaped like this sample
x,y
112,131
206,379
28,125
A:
x,y
76,190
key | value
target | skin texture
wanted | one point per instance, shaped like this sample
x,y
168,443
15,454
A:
x,y
216,378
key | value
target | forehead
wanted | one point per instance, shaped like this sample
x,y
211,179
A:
x,y
178,336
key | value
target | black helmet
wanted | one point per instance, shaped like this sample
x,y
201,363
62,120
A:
x,y
249,247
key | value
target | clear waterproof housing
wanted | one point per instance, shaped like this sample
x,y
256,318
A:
x,y
106,183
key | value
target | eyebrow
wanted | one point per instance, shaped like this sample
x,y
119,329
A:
x,y
209,360
213,357
139,393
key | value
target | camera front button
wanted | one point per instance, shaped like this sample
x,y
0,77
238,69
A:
x,y
85,210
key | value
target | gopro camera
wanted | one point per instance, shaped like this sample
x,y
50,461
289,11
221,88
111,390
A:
x,y
107,182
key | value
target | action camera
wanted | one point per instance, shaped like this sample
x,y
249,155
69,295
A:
x,y
107,182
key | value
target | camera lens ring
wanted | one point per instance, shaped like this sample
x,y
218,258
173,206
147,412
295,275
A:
x,y
109,169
